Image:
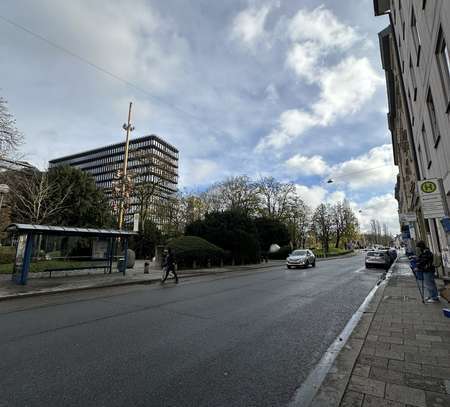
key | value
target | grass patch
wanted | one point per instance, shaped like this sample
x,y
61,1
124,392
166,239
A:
x,y
42,265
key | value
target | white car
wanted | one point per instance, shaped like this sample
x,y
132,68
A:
x,y
301,258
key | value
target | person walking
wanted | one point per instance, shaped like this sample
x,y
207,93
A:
x,y
169,264
425,265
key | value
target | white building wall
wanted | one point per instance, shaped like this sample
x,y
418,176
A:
x,y
430,16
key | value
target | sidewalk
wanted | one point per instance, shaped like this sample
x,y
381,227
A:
x,y
41,286
397,356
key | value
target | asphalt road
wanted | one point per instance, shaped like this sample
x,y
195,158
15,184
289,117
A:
x,y
239,339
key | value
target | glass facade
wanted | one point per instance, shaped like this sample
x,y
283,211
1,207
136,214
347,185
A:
x,y
152,163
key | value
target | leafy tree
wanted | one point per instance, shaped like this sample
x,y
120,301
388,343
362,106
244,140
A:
x,y
322,225
85,205
271,231
231,230
298,221
149,236
345,223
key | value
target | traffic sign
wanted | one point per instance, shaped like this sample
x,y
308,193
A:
x,y
432,200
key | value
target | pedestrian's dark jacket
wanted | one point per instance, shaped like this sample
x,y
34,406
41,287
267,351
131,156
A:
x,y
169,261
425,261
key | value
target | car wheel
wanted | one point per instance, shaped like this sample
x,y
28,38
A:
x,y
314,263
306,264
368,266
289,267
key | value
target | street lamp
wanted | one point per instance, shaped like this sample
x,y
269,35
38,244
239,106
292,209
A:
x,y
125,191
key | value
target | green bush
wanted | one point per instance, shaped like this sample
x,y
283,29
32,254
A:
x,y
190,249
7,254
231,230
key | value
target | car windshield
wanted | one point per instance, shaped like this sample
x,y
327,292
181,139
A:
x,y
298,253
375,254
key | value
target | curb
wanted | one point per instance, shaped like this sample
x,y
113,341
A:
x,y
332,373
199,273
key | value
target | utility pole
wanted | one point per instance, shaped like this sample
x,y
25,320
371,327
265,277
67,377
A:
x,y
128,128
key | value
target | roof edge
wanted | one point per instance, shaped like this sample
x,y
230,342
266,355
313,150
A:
x,y
381,7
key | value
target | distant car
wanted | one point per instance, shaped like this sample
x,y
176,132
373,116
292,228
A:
x,y
301,258
378,258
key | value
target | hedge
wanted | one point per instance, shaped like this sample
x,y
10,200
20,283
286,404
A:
x,y
190,249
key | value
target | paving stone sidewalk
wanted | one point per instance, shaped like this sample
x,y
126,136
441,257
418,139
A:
x,y
404,359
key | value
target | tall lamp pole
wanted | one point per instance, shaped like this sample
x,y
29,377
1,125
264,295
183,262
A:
x,y
128,128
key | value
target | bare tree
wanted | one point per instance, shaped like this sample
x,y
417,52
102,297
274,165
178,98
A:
x,y
34,197
10,136
275,197
240,193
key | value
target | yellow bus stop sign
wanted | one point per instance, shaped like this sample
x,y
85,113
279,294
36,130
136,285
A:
x,y
428,187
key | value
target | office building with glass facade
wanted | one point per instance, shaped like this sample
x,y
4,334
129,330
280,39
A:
x,y
152,167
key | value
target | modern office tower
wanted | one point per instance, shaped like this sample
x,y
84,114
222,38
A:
x,y
152,166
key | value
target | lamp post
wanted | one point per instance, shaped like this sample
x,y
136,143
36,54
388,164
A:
x,y
124,190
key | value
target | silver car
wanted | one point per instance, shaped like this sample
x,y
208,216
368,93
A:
x,y
378,258
301,258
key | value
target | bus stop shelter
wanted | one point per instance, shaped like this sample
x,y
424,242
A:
x,y
25,236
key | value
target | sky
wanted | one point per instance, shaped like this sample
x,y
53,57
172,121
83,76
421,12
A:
x,y
288,88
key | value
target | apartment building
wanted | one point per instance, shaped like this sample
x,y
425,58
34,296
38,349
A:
x,y
416,60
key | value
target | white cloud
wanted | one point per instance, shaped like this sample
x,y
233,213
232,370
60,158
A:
x,y
321,26
383,208
312,196
303,58
354,172
248,25
198,172
291,124
336,196
345,88
304,165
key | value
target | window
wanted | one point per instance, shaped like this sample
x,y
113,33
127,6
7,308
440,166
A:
x,y
433,118
443,61
403,30
426,148
413,78
424,4
419,149
415,35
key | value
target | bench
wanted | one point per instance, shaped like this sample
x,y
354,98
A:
x,y
51,270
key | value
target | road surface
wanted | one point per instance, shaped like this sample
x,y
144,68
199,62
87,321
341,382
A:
x,y
238,339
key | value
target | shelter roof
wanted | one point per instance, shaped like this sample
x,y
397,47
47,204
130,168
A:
x,y
67,231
